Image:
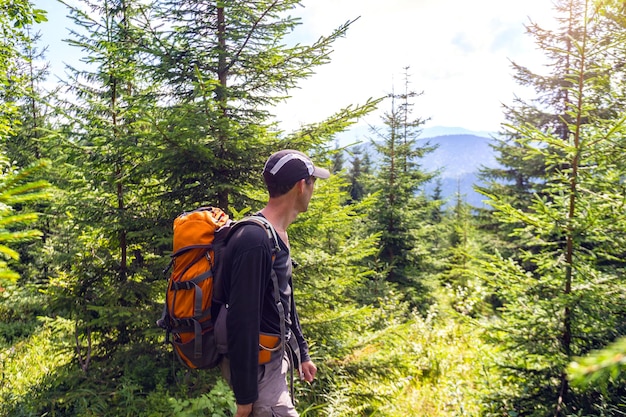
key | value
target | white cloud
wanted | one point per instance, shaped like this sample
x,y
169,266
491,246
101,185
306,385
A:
x,y
458,53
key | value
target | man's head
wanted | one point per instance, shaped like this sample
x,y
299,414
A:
x,y
286,168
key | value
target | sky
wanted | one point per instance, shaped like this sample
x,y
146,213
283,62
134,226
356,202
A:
x,y
457,52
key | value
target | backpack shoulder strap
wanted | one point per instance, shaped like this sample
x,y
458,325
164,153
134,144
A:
x,y
269,229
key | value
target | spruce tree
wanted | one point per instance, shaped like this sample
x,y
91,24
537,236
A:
x,y
400,208
460,244
21,182
16,17
28,144
110,190
520,176
338,159
560,299
224,65
355,174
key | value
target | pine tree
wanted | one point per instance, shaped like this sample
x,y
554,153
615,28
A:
x,y
225,66
437,197
338,158
355,175
460,244
399,209
521,176
555,304
26,146
15,19
110,188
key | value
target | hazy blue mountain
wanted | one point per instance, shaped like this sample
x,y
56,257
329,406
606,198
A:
x,y
459,156
430,132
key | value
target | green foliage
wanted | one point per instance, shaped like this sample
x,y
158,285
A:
x,y
329,244
20,309
221,81
15,17
107,251
40,376
401,214
219,402
359,167
21,13
375,356
600,367
452,370
569,259
426,366
25,371
459,246
17,188
174,103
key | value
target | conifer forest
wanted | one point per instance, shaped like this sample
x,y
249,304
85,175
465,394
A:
x,y
412,305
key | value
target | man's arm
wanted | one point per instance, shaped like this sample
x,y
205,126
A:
x,y
297,331
250,263
308,367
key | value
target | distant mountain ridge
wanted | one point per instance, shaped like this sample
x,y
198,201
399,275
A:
x,y
434,131
459,156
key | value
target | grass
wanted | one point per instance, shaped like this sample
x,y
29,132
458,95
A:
x,y
26,366
450,384
426,366
433,366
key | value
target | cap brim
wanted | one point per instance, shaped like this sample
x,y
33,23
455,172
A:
x,y
321,173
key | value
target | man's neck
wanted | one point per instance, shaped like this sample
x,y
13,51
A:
x,y
280,213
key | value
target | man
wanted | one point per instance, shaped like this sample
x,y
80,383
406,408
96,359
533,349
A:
x,y
261,389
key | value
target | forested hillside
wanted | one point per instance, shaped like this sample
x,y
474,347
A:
x,y
411,307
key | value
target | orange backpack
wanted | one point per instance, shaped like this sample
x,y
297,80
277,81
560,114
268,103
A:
x,y
199,238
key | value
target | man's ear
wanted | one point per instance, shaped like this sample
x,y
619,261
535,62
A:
x,y
301,185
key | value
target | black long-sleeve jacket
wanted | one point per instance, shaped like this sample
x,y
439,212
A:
x,y
251,305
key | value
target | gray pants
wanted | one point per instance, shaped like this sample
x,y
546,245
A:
x,y
274,399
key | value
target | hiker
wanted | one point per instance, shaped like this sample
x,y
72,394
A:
x,y
253,316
